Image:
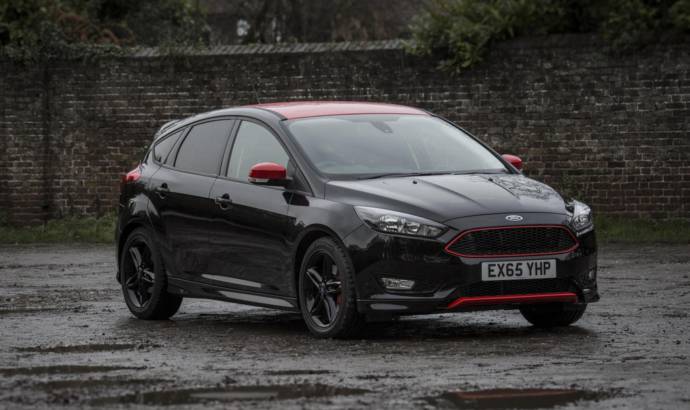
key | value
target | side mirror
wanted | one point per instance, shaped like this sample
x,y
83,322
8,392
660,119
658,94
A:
x,y
514,160
268,173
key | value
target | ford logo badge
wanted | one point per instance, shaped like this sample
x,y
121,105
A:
x,y
514,218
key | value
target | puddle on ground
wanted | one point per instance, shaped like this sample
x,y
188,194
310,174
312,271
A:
x,y
30,371
377,377
514,398
295,372
78,348
92,383
228,394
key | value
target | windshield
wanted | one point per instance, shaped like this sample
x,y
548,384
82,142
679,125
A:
x,y
370,146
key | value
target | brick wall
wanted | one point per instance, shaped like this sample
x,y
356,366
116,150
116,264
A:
x,y
613,130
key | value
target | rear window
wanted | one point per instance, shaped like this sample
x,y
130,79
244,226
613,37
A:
x,y
202,150
162,149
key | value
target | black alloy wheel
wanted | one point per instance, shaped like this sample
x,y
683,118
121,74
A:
x,y
143,279
323,293
139,273
327,291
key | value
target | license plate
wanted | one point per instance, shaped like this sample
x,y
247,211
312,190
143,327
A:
x,y
516,270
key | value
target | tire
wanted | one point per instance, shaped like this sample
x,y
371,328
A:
x,y
330,288
144,284
553,314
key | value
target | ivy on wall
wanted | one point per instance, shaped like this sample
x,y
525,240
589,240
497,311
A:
x,y
459,32
43,29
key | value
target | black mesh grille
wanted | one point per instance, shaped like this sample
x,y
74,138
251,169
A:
x,y
513,241
517,287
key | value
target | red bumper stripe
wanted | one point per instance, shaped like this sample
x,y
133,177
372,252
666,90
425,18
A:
x,y
464,301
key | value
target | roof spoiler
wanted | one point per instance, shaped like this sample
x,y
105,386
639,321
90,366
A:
x,y
163,128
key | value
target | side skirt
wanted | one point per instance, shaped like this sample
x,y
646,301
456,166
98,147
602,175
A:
x,y
192,289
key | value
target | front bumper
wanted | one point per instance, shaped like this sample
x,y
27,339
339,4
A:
x,y
445,282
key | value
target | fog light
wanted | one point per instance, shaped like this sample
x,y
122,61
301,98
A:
x,y
397,284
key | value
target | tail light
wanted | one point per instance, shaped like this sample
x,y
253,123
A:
x,y
131,176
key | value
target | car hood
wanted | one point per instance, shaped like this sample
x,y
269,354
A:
x,y
445,197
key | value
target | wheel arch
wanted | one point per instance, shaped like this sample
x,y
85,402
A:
x,y
126,231
308,236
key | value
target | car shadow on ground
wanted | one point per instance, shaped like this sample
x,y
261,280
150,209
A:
x,y
260,323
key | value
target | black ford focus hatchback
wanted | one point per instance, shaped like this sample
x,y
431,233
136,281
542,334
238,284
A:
x,y
347,212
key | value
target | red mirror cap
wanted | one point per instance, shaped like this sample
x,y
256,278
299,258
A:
x,y
513,159
267,171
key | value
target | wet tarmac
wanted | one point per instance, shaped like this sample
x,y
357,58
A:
x,y
231,394
67,340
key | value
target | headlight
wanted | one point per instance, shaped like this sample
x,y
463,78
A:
x,y
387,221
582,217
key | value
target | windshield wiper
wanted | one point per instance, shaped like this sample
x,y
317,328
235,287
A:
x,y
485,171
405,174
422,174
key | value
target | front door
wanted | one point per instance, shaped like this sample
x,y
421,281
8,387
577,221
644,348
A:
x,y
248,243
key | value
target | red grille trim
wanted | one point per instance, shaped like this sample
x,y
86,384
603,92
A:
x,y
507,255
568,297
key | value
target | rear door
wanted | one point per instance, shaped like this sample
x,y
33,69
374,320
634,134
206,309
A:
x,y
180,196
248,238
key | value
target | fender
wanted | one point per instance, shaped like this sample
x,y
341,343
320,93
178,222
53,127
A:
x,y
300,244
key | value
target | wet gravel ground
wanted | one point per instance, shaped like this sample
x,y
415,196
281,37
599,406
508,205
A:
x,y
67,339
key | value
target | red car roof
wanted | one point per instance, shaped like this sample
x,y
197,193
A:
x,y
305,109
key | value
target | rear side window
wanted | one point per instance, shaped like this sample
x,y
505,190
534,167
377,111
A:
x,y
254,144
202,149
163,147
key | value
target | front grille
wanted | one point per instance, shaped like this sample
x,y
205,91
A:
x,y
517,287
513,241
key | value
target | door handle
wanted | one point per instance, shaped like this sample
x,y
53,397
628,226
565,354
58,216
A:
x,y
223,201
162,190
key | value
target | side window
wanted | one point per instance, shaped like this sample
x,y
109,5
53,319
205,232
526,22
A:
x,y
163,147
254,144
202,149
